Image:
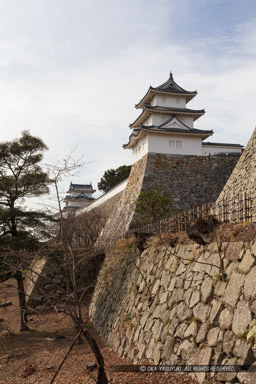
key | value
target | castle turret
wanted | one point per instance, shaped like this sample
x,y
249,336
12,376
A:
x,y
166,125
79,195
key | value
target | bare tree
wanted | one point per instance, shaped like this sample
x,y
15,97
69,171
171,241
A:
x,y
83,230
69,167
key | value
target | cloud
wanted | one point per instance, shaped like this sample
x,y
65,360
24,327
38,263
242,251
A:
x,y
71,71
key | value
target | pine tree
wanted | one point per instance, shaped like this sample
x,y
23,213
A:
x,y
152,206
21,230
113,177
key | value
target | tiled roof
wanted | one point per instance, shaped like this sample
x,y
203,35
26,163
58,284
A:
x,y
174,109
170,110
79,197
154,129
174,117
81,187
221,144
171,87
190,130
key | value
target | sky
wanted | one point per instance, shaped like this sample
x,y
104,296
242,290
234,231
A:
x,y
71,71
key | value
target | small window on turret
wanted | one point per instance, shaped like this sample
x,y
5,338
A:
x,y
178,144
171,143
164,100
177,101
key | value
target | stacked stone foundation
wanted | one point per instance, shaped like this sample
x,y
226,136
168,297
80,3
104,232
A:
x,y
176,306
189,180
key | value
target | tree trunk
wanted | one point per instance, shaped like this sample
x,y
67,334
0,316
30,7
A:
x,y
22,301
102,378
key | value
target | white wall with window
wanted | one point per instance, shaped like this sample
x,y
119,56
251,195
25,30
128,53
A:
x,y
213,150
148,121
169,101
188,120
159,119
175,144
140,149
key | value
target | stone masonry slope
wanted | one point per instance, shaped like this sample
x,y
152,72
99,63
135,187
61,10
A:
x,y
243,177
190,181
120,218
176,306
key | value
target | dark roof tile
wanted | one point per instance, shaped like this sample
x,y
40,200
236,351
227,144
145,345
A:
x,y
155,129
207,143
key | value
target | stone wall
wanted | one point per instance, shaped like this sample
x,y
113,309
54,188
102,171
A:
x,y
121,216
49,281
190,181
109,205
242,182
176,306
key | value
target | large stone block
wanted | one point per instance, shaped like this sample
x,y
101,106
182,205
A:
x,y
181,269
220,288
234,250
247,262
191,331
183,312
227,376
202,333
233,289
187,296
202,357
225,319
242,318
206,289
216,308
165,279
228,342
212,337
173,325
243,352
176,297
168,348
250,285
194,299
180,330
248,377
186,350
156,329
202,312
157,353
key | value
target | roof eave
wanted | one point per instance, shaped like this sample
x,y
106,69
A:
x,y
187,133
151,91
141,103
144,131
137,123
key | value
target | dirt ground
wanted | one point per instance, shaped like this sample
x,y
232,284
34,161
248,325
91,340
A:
x,y
33,357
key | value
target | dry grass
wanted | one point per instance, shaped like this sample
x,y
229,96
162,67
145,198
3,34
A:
x,y
237,232
226,232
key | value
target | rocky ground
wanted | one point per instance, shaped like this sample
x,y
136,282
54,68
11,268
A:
x,y
33,357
